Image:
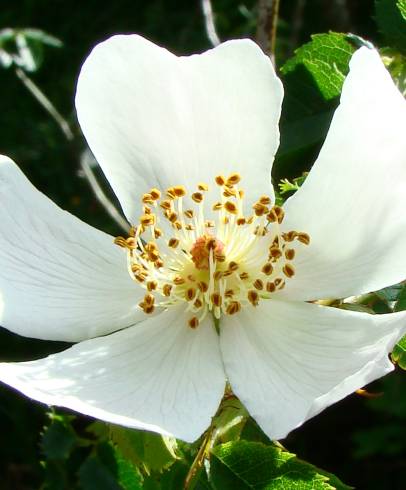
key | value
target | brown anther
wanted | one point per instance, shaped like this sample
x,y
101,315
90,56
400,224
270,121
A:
x,y
135,267
152,285
155,194
166,204
197,197
289,236
148,309
211,243
253,297
209,224
233,307
190,294
229,293
172,217
275,253
288,270
258,284
265,200
217,206
270,287
220,257
278,281
191,278
244,275
132,231
157,232
230,207
146,210
303,238
170,193
189,213
147,198
202,187
233,266
218,275
220,180
290,253
233,179
173,242
189,227
216,299
149,299
179,191
241,193
140,276
241,221
250,220
153,255
178,280
226,220
203,286
198,303
260,231
229,192
260,209
276,214
147,219
177,225
158,263
193,322
267,269
121,241
166,290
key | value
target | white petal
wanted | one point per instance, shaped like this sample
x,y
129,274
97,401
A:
x,y
60,279
288,361
353,202
154,119
159,375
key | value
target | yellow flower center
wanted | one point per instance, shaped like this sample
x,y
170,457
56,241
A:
x,y
216,265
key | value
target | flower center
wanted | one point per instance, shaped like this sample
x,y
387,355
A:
x,y
217,265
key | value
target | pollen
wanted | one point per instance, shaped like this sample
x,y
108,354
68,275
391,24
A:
x,y
216,265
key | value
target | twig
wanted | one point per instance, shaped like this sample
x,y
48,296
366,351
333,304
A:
x,y
268,11
202,454
63,125
209,22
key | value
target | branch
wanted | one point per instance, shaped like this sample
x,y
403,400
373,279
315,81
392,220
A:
x,y
209,22
268,11
63,125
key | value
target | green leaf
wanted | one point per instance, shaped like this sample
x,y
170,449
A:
x,y
94,475
313,79
400,304
146,450
399,353
128,475
391,20
58,440
253,465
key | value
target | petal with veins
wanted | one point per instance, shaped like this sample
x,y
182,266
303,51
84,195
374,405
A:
x,y
353,201
288,361
159,375
153,119
60,279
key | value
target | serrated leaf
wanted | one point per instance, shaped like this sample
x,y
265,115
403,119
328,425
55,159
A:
x,y
399,353
391,19
127,474
146,450
255,466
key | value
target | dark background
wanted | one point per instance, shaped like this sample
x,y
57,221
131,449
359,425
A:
x,y
361,441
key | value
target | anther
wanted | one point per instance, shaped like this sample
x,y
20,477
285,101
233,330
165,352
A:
x,y
190,294
198,303
229,293
232,266
189,213
193,322
157,233
216,299
241,221
290,253
170,193
303,238
230,207
166,290
166,204
233,307
147,198
288,270
217,206
155,194
253,297
152,285
197,197
267,269
179,191
244,275
275,253
260,209
265,200
258,284
179,280
149,299
220,180
233,179
203,286
270,287
173,242
147,219
202,187
172,217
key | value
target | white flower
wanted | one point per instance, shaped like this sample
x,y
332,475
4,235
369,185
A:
x,y
148,354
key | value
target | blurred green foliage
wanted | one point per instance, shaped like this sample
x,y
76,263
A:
x,y
58,451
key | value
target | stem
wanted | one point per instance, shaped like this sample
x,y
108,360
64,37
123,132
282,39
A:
x,y
274,28
268,11
66,130
209,22
202,454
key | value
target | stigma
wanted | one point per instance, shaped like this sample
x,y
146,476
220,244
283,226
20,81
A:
x,y
217,258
